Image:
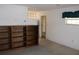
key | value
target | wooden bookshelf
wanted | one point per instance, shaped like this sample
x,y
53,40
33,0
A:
x,y
18,36
31,35
4,38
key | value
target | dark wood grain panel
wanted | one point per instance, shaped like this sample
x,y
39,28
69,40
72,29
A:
x,y
3,41
17,39
17,28
17,34
3,35
3,27
14,45
31,28
3,47
32,35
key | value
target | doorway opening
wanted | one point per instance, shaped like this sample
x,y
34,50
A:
x,y
43,26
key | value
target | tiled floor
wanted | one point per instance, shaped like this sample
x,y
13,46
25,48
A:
x,y
57,49
45,47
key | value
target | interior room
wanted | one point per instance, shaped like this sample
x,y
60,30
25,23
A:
x,y
39,29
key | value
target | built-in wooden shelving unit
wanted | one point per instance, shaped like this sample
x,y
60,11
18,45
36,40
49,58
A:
x,y
31,32
4,38
18,36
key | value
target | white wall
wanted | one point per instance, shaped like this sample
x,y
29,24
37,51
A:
x,y
14,15
60,32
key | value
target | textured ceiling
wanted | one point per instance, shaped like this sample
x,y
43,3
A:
x,y
46,7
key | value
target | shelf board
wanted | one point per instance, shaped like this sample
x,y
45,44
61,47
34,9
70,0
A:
x,y
4,49
3,38
4,43
4,32
18,47
18,42
16,36
17,31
